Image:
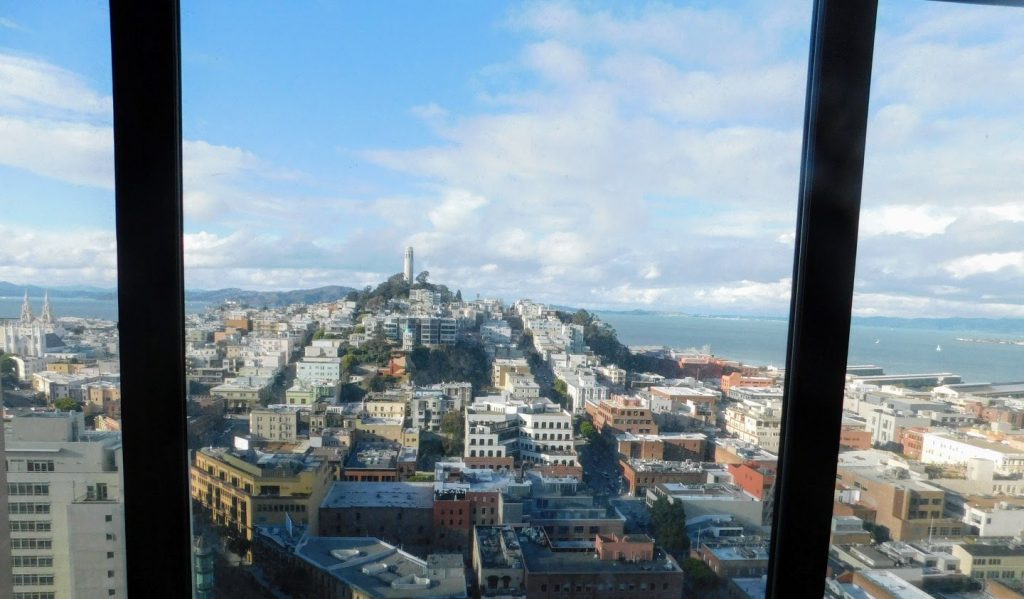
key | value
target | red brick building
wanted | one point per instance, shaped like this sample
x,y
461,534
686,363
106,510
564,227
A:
x,y
667,446
753,478
622,414
854,437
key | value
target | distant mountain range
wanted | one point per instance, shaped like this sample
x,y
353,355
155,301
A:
x,y
96,293
253,298
329,293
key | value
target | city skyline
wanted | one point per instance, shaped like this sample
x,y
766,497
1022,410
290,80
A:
x,y
612,159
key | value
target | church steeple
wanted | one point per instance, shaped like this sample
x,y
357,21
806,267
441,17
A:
x,y
47,316
26,310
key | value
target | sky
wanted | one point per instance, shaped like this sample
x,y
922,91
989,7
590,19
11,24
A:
x,y
643,155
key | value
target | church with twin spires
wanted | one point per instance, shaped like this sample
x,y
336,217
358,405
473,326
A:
x,y
31,336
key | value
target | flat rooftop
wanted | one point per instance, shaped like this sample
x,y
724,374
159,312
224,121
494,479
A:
x,y
981,443
499,547
989,389
348,494
539,557
382,570
662,437
740,552
707,491
669,467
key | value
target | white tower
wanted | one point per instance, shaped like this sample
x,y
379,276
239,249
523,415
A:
x,y
407,270
47,317
26,309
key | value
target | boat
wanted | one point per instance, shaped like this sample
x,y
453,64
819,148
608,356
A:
x,y
938,348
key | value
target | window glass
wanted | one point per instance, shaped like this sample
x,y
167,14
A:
x,y
419,242
929,471
61,528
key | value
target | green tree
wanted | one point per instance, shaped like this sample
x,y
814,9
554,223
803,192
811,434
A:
x,y
668,520
561,392
458,295
453,427
582,318
697,574
351,392
8,369
587,429
319,334
66,404
423,277
348,361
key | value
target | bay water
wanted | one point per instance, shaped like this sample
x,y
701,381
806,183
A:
x,y
754,341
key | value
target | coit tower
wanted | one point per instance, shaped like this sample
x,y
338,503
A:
x,y
407,271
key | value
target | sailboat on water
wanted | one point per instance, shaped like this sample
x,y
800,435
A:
x,y
938,348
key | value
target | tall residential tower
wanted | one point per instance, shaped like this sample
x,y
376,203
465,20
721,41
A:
x,y
407,270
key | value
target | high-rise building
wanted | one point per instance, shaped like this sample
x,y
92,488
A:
x,y
65,506
407,266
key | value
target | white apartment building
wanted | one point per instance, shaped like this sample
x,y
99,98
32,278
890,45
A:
x,y
65,508
536,432
496,331
948,448
756,421
885,424
428,405
522,386
582,388
1000,520
503,367
318,369
614,374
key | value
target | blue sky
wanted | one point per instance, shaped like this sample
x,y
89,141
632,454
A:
x,y
644,155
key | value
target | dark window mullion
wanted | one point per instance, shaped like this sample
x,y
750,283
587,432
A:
x,y
147,161
835,123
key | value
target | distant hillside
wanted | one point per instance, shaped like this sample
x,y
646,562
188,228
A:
x,y
253,298
991,325
11,290
269,298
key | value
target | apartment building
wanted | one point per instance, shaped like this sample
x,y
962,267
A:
x,y
242,489
243,393
583,388
909,509
501,368
622,414
537,432
987,562
950,448
517,561
65,508
274,424
756,422
663,446
318,369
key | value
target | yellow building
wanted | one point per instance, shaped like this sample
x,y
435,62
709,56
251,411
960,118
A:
x,y
243,489
65,367
385,408
999,562
102,397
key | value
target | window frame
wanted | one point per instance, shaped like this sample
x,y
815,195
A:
x,y
145,45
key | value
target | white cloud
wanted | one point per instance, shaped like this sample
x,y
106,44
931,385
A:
x,y
969,266
911,306
50,257
911,221
557,62
40,88
456,210
747,295
75,152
